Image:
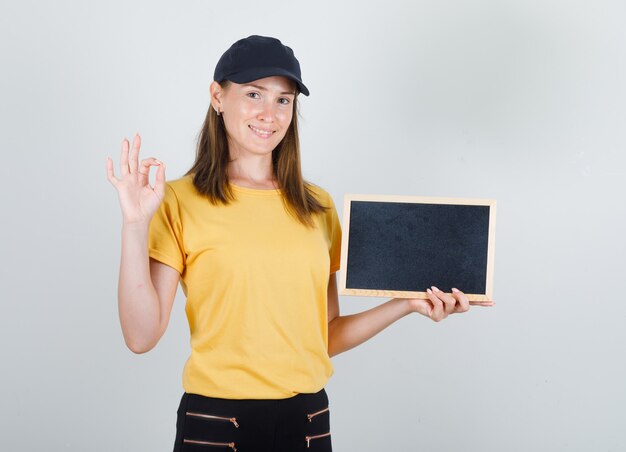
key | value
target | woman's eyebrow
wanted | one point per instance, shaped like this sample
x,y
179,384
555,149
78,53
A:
x,y
262,88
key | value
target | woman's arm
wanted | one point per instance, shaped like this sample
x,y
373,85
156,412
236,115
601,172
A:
x,y
346,332
146,291
146,288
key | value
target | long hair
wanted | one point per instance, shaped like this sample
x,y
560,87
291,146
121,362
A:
x,y
210,170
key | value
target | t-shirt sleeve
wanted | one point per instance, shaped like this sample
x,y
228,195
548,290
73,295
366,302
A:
x,y
165,239
334,236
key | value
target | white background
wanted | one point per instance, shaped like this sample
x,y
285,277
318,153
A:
x,y
520,101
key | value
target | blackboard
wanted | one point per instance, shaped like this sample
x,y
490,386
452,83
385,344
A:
x,y
398,246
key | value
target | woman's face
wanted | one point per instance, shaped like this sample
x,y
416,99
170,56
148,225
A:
x,y
256,114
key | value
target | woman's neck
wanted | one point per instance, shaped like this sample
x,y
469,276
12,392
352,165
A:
x,y
252,172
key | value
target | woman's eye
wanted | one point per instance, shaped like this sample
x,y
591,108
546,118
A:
x,y
252,95
284,101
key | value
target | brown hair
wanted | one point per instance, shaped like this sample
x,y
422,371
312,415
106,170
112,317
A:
x,y
210,175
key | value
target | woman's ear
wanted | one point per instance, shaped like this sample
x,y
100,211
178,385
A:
x,y
216,96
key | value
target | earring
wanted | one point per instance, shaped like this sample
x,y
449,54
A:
x,y
218,112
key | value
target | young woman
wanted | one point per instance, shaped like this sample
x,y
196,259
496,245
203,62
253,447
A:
x,y
255,248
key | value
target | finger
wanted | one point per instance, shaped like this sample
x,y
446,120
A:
x,y
438,313
463,304
134,154
144,169
449,301
110,174
124,158
159,181
483,303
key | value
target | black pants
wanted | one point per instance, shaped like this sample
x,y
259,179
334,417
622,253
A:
x,y
299,423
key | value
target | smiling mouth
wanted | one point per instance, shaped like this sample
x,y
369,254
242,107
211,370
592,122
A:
x,y
262,133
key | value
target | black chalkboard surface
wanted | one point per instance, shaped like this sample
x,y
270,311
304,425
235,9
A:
x,y
399,246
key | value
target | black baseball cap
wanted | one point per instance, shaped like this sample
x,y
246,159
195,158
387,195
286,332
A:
x,y
258,57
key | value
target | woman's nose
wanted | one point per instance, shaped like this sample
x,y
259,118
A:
x,y
267,112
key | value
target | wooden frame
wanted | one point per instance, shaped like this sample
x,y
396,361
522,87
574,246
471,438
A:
x,y
390,292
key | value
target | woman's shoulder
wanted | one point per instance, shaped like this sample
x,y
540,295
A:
x,y
318,191
179,189
322,195
181,185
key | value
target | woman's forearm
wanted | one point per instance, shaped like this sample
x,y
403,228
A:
x,y
138,301
346,332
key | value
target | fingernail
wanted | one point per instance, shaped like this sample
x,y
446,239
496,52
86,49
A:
x,y
157,162
435,289
428,291
455,290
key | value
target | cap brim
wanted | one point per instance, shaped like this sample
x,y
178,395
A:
x,y
262,72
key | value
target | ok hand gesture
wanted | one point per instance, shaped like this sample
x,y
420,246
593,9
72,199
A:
x,y
139,200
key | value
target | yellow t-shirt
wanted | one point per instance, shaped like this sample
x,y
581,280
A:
x,y
256,283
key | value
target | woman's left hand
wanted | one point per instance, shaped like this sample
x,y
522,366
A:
x,y
441,304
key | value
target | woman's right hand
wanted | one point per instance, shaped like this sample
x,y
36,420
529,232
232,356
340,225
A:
x,y
139,200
